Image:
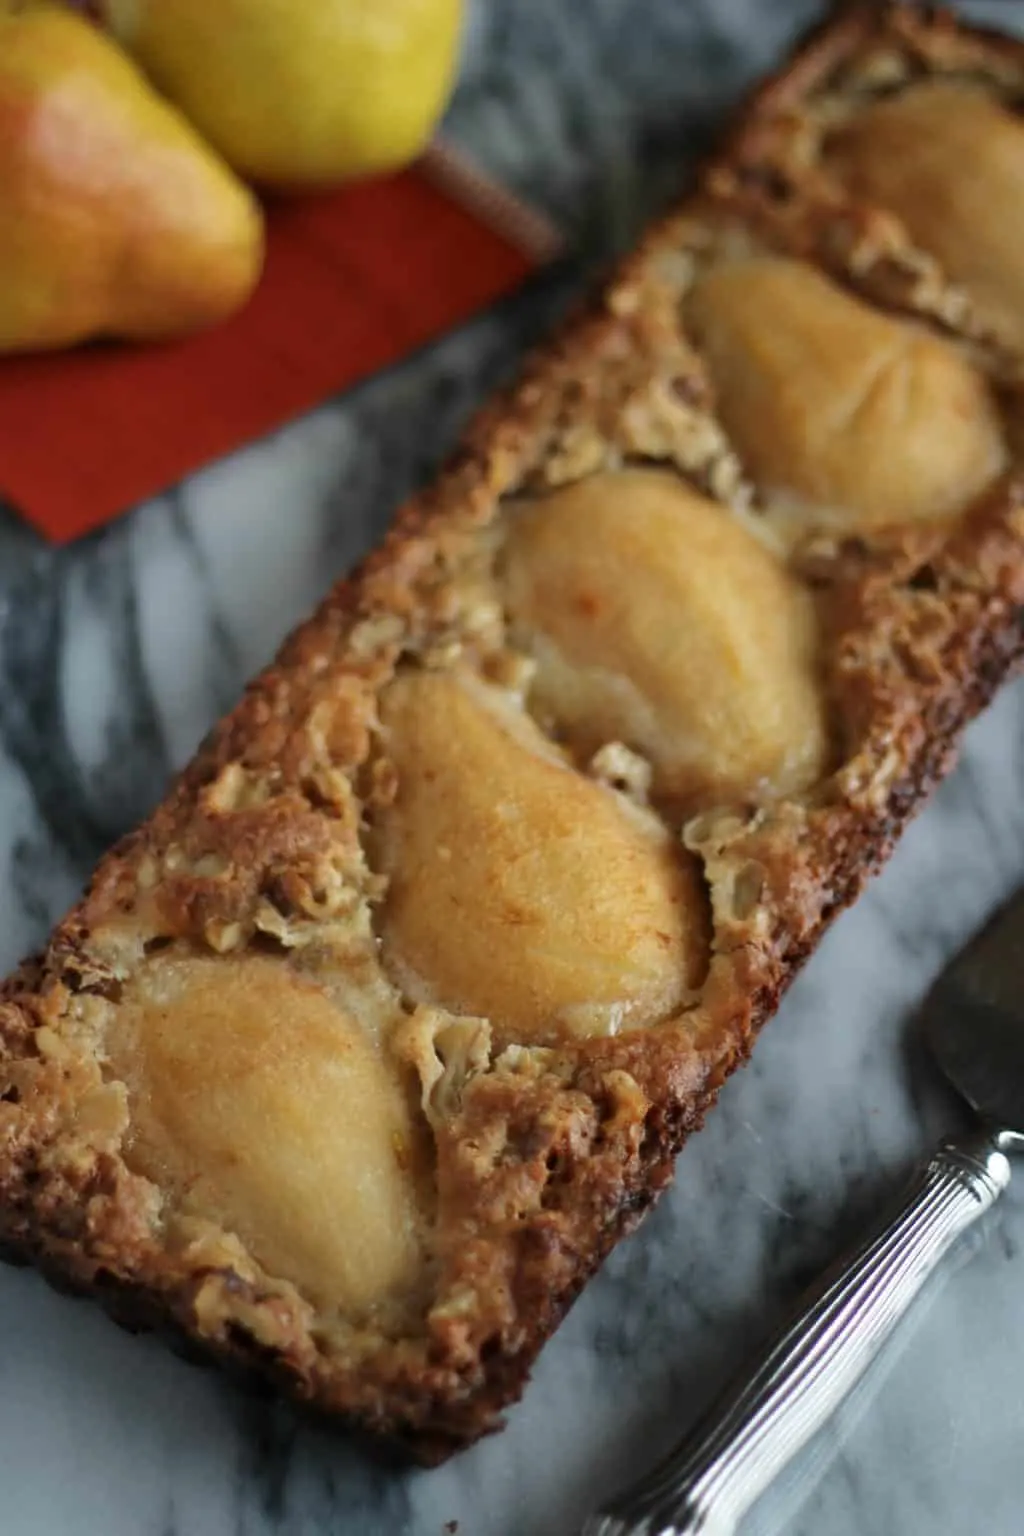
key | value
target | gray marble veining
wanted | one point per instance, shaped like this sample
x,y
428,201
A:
x,y
116,655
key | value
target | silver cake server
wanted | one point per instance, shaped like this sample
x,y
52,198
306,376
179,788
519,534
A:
x,y
974,1023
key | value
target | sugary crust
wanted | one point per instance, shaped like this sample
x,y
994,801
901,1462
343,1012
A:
x,y
545,1157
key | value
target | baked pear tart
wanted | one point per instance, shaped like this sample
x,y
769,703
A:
x,y
357,1058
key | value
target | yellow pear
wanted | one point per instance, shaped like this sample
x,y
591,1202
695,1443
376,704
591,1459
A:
x,y
834,405
300,92
656,619
948,158
253,1095
518,889
115,218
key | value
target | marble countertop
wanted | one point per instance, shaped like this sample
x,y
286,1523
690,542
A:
x,y
117,654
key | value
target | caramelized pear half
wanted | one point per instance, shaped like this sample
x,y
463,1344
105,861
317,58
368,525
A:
x,y
519,890
658,620
949,161
869,420
259,1104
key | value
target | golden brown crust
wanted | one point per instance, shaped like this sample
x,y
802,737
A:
x,y
544,1156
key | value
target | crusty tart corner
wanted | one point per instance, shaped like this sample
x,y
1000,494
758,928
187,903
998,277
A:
x,y
543,1158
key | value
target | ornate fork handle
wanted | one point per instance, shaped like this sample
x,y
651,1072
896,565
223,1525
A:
x,y
713,1477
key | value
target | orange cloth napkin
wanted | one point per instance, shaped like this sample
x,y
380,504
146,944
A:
x,y
354,280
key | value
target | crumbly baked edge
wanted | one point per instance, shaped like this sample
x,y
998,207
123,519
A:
x,y
543,1165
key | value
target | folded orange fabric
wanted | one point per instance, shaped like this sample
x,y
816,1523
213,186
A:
x,y
355,280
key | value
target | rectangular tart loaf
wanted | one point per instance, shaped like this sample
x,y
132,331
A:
x,y
358,1057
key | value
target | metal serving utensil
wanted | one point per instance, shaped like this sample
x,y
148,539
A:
x,y
974,1024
